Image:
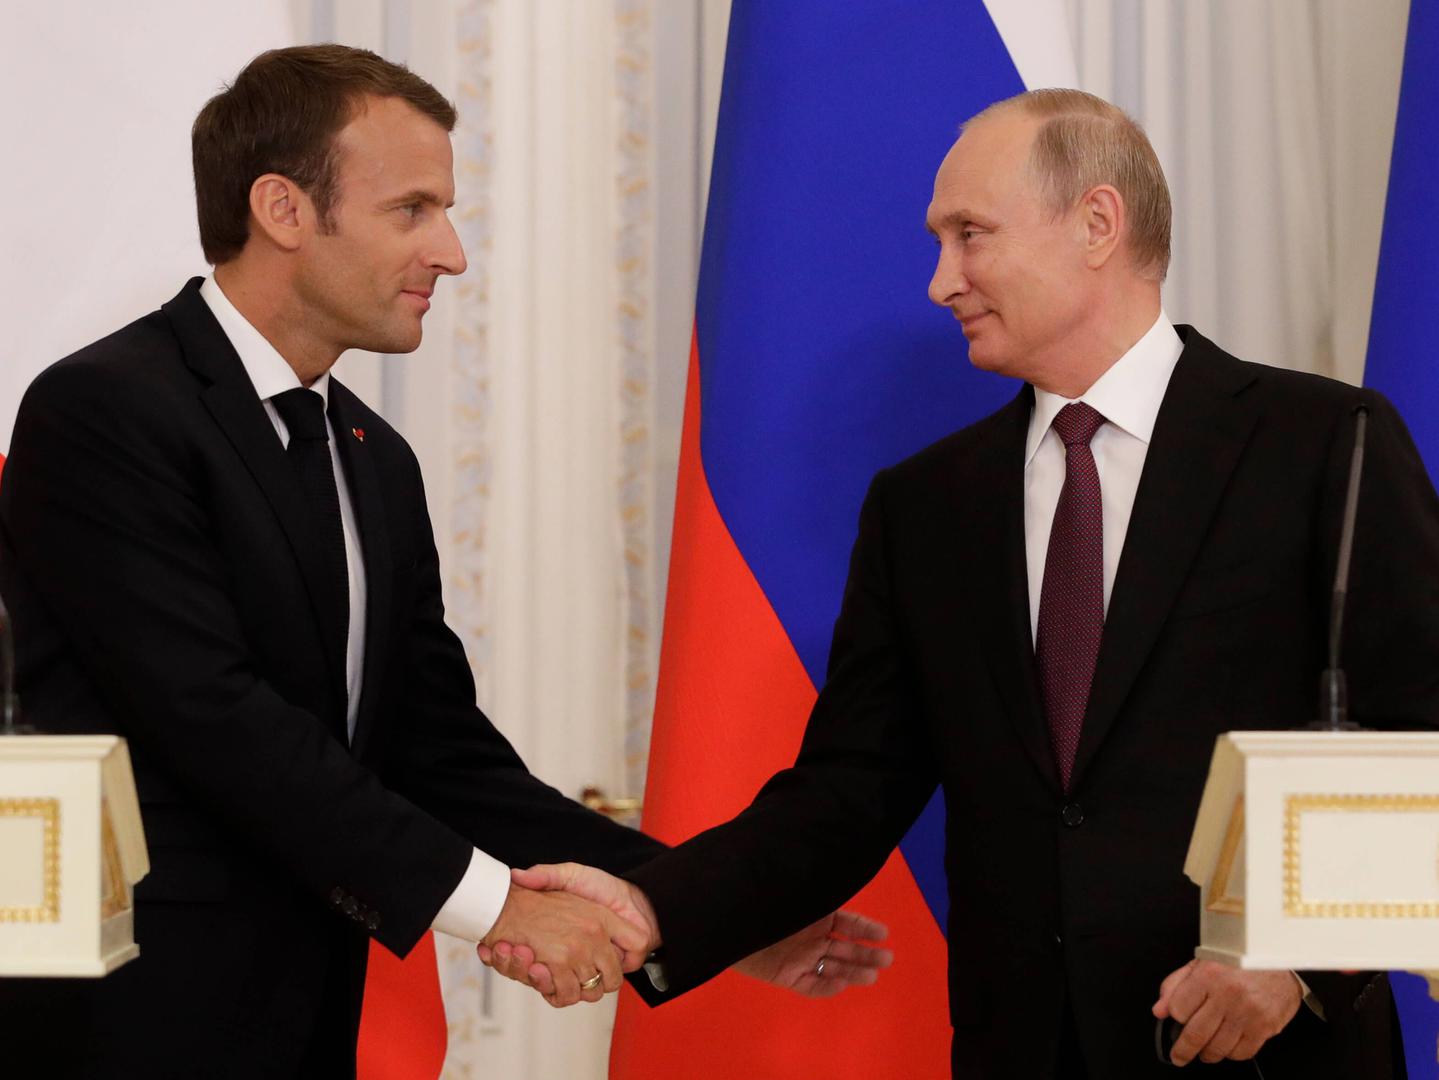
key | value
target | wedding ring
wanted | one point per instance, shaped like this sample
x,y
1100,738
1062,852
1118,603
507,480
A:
x,y
819,968
593,981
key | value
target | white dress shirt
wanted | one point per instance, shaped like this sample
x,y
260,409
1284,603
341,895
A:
x,y
476,902
1128,397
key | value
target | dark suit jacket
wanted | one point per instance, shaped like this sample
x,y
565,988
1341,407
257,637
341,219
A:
x,y
1216,622
155,558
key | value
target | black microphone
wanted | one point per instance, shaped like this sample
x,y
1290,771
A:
x,y
1333,690
9,700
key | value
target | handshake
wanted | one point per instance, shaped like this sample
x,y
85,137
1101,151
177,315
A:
x,y
572,931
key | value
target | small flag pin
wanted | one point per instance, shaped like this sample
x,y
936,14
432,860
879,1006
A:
x,y
358,432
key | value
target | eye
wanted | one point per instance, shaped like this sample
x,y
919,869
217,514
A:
x,y
411,210
968,234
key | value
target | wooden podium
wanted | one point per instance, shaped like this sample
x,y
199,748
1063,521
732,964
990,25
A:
x,y
72,848
1320,851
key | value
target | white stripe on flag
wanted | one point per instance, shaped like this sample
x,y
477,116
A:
x,y
1037,35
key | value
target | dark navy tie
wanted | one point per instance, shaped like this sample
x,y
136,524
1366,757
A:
x,y
1071,600
309,451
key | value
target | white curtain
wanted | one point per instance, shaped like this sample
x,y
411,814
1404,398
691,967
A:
x,y
1273,121
96,102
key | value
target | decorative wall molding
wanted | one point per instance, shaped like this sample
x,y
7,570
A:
x,y
470,404
468,987
634,257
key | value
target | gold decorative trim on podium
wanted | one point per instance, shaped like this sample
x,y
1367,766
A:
x,y
48,811
1220,899
115,893
1296,905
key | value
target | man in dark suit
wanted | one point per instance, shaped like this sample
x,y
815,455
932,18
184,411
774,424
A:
x,y
1053,613
211,547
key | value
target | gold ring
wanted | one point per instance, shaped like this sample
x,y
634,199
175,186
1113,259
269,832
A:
x,y
593,981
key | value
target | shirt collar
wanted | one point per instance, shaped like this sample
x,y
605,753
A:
x,y
1128,395
269,372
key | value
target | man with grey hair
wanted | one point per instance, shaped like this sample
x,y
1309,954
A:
x,y
1053,613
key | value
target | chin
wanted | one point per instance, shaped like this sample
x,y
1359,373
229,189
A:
x,y
989,359
396,343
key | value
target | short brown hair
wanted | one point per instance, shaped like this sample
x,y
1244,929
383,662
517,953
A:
x,y
281,115
1085,141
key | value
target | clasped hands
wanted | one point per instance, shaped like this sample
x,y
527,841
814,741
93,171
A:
x,y
570,931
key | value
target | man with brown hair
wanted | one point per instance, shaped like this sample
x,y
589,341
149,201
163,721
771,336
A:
x,y
1053,613
213,548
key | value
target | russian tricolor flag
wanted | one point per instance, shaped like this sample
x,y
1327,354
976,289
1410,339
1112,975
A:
x,y
817,360
1403,360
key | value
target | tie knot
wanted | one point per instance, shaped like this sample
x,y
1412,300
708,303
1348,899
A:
x,y
1076,423
304,414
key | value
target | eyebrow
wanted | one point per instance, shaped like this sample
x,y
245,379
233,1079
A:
x,y
958,217
417,196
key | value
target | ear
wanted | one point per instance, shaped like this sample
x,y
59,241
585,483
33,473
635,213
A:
x,y
1101,211
280,210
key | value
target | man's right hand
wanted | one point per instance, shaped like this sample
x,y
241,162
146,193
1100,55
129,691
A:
x,y
575,939
515,960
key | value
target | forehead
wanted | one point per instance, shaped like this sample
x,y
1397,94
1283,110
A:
x,y
390,146
987,168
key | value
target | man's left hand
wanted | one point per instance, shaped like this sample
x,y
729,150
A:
x,y
1226,1012
824,958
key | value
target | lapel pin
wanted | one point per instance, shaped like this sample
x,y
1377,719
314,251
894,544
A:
x,y
358,432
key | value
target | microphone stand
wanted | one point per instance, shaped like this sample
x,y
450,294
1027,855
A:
x,y
9,700
1333,690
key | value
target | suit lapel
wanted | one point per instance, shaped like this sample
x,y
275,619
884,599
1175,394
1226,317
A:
x,y
1003,598
232,401
368,498
1202,428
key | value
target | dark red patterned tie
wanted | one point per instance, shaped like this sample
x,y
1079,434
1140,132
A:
x,y
1071,601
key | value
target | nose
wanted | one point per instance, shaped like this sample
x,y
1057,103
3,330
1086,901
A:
x,y
448,256
948,280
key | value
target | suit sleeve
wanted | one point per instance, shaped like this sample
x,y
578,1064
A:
x,y
451,759
818,831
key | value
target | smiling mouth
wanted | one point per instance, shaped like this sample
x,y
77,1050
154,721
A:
x,y
423,298
966,321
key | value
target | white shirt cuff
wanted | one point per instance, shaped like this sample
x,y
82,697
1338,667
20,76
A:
x,y
476,902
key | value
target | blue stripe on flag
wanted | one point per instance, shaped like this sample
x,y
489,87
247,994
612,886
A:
x,y
1402,362
822,358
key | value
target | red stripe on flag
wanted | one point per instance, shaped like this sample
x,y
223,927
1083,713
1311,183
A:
x,y
402,1024
731,708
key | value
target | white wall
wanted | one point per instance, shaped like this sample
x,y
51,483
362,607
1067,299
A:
x,y
98,222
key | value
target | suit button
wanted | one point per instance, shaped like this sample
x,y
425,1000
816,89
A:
x,y
372,921
337,896
1058,940
1072,815
350,906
